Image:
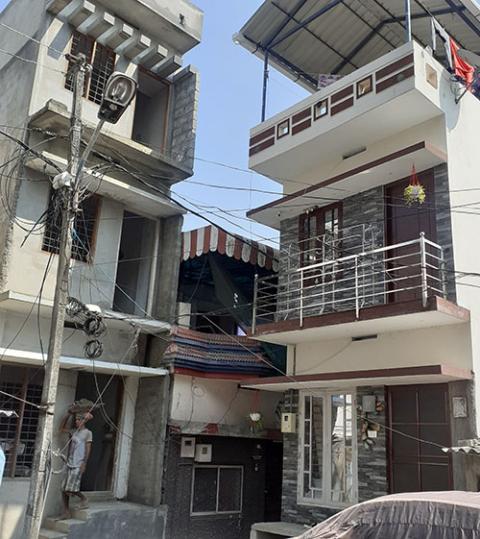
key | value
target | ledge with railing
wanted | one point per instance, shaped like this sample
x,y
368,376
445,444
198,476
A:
x,y
330,278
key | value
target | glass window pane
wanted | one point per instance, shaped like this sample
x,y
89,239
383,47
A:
x,y
230,489
317,440
307,407
307,492
341,448
204,490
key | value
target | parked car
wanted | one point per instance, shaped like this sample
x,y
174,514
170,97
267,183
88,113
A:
x,y
411,515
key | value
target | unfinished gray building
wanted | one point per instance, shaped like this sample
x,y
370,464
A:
x,y
126,249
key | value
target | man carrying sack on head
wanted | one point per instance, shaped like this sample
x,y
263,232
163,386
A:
x,y
79,448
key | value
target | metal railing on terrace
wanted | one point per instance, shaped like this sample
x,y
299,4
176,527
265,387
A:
x,y
329,278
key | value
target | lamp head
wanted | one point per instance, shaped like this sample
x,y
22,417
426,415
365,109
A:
x,y
119,92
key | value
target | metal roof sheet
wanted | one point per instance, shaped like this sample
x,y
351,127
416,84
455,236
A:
x,y
465,446
308,37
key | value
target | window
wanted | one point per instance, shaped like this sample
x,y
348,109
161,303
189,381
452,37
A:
x,y
320,109
150,123
102,60
319,234
83,229
283,128
364,86
328,448
217,489
18,432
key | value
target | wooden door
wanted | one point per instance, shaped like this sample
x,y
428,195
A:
x,y
405,223
418,413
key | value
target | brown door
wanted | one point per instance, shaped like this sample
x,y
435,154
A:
x,y
418,413
405,223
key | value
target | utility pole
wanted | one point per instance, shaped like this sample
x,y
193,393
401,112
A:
x,y
68,203
119,93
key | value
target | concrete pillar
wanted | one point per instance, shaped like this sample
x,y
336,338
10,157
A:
x,y
148,444
165,298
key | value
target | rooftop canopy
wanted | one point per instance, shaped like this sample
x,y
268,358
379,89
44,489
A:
x,y
306,38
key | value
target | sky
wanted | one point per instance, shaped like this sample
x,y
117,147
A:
x,y
231,81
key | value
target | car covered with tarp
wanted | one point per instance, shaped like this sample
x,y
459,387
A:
x,y
411,515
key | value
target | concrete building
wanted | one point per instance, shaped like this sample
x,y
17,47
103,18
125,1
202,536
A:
x,y
222,469
126,246
377,301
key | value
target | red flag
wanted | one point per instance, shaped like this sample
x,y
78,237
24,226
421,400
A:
x,y
461,68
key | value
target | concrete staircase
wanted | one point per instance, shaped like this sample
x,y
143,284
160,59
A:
x,y
109,520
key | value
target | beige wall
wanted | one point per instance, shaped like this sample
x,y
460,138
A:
x,y
211,398
463,166
449,345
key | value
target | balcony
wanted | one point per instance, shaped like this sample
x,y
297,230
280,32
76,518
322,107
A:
x,y
344,285
371,115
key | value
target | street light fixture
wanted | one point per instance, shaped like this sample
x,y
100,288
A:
x,y
119,93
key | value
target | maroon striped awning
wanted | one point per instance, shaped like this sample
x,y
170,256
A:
x,y
212,239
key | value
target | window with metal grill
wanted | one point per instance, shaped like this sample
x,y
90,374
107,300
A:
x,y
84,227
216,489
102,60
18,431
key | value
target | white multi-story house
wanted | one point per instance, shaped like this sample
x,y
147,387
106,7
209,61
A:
x,y
377,301
127,244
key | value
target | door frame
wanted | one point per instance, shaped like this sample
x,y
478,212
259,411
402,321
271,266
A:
x,y
124,439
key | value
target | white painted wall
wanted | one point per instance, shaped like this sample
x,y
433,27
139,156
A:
x,y
431,131
447,345
383,122
462,122
211,398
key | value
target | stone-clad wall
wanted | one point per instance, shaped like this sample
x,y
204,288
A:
x,y
367,208
372,465
444,225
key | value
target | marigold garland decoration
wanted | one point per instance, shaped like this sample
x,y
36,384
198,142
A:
x,y
414,193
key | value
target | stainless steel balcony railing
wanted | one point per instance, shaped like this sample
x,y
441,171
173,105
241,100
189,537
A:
x,y
404,271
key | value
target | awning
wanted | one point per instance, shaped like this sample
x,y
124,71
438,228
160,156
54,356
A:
x,y
212,239
305,38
